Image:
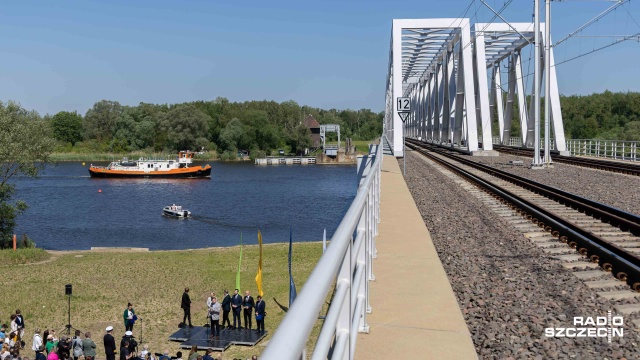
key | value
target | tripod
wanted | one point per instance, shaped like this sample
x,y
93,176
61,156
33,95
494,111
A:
x,y
68,327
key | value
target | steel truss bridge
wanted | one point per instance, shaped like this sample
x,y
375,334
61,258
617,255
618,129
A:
x,y
452,73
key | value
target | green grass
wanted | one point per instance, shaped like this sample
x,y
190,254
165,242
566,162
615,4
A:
x,y
362,146
22,256
103,283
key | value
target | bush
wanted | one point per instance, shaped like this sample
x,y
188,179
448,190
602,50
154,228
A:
x,y
229,155
26,243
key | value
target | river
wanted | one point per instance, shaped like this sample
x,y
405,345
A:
x,y
68,210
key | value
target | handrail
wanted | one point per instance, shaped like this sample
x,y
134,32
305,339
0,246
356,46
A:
x,y
337,265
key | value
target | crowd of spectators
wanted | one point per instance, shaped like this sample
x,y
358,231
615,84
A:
x,y
48,346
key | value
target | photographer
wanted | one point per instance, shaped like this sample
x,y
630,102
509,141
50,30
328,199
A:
x,y
132,343
64,348
124,350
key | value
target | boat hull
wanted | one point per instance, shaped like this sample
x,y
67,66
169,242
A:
x,y
181,214
183,173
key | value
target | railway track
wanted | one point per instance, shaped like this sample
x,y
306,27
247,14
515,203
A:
x,y
620,167
560,223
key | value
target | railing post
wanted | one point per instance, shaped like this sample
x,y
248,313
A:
x,y
344,317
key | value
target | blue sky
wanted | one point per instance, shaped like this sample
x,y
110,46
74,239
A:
x,y
66,55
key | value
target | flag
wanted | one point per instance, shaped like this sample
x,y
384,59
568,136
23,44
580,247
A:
x,y
292,285
239,262
259,274
324,241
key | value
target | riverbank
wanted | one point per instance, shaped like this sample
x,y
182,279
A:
x,y
104,281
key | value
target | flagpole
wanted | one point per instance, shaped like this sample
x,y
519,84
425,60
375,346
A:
x,y
239,263
259,274
324,241
292,285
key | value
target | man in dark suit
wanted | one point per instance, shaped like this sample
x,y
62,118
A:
x,y
109,344
236,304
260,314
247,305
226,308
186,306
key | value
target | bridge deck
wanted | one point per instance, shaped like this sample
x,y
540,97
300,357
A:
x,y
415,313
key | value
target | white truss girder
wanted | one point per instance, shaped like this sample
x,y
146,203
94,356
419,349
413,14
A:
x,y
493,44
453,78
427,59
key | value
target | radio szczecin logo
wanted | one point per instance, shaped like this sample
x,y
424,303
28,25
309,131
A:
x,y
586,326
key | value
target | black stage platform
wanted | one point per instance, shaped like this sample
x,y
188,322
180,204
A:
x,y
199,336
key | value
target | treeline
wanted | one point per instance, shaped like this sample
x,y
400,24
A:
x,y
220,125
606,116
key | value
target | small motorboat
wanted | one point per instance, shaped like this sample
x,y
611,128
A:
x,y
176,211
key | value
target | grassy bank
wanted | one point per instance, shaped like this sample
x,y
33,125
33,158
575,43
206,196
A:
x,y
103,283
23,256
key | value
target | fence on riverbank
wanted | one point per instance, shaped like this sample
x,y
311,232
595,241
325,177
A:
x,y
286,161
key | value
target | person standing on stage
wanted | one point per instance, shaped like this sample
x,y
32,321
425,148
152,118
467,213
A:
x,y
236,304
209,302
186,306
211,296
260,314
214,313
109,344
129,317
247,305
226,307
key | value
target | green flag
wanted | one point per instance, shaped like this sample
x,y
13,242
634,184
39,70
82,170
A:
x,y
239,263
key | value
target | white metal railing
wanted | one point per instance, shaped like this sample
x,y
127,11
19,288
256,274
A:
x,y
612,149
347,263
513,141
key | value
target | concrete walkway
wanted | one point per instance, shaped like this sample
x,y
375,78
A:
x,y
415,313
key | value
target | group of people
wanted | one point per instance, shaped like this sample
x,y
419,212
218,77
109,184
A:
x,y
12,336
230,303
48,347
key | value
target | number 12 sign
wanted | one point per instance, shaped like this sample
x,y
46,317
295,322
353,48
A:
x,y
403,104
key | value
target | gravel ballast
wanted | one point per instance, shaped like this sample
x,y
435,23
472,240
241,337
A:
x,y
509,291
614,189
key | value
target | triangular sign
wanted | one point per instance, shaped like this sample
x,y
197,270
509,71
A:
x,y
403,116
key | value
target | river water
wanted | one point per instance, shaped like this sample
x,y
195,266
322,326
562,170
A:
x,y
68,210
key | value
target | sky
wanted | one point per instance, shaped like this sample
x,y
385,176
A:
x,y
66,55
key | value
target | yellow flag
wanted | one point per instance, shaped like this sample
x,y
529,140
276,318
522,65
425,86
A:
x,y
259,274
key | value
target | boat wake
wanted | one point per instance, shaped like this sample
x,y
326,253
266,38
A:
x,y
214,221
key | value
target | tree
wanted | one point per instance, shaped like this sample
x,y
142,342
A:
x,y
185,127
299,138
232,135
67,127
100,121
25,145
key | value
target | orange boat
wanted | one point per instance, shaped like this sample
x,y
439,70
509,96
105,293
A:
x,y
148,168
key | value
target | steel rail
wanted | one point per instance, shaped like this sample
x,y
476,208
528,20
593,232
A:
x,y
627,221
624,265
626,168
